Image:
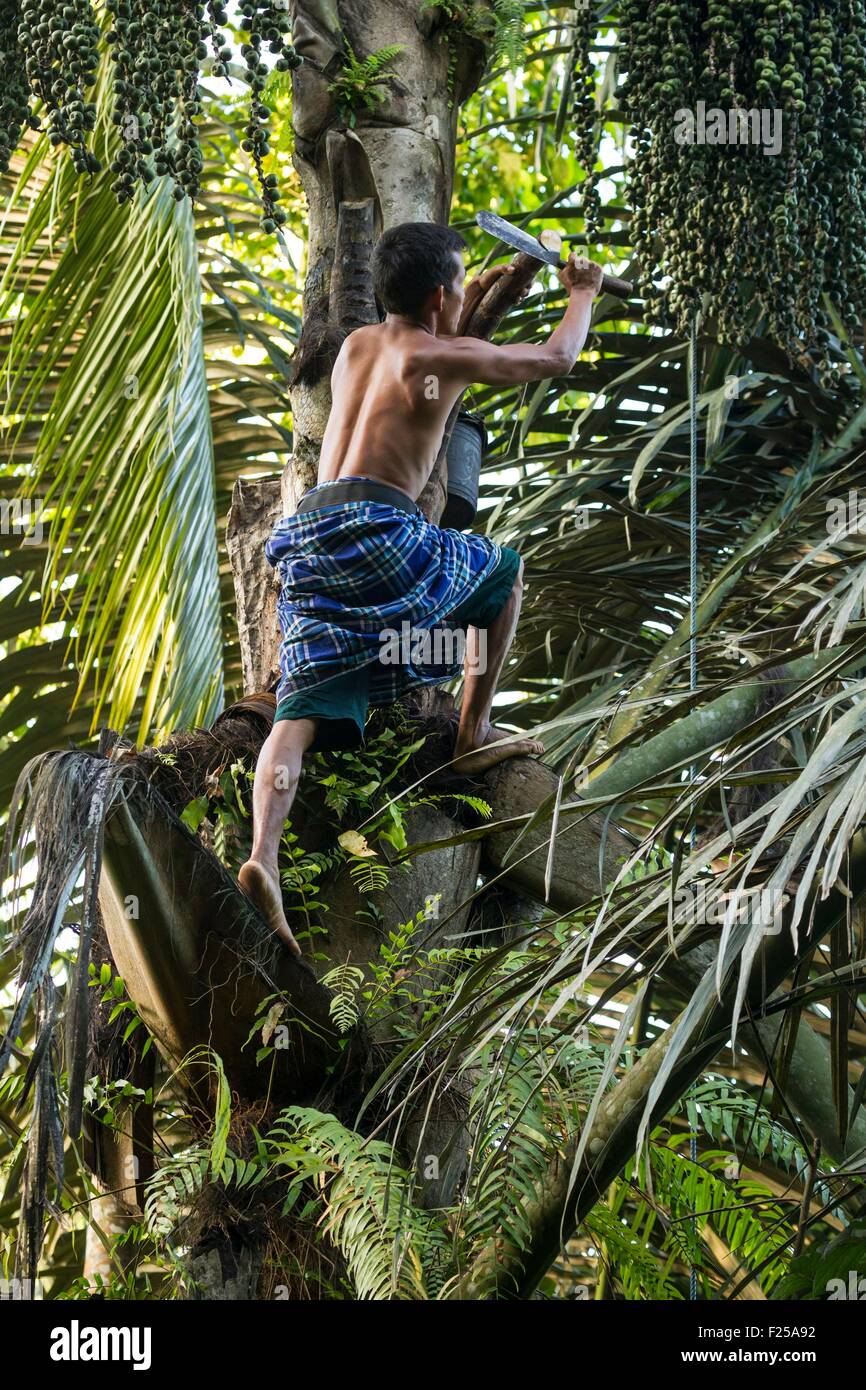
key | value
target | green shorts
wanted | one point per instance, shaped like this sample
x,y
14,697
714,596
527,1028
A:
x,y
341,702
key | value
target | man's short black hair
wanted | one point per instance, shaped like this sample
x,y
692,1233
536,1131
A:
x,y
411,261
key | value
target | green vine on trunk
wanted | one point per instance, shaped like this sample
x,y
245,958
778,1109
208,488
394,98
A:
x,y
361,84
499,29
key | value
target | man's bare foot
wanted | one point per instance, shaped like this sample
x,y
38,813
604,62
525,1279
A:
x,y
491,746
264,889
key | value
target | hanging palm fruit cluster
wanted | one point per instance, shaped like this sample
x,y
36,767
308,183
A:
x,y
15,113
264,23
49,50
586,119
59,41
748,177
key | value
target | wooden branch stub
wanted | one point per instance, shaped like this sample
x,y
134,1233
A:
x,y
352,302
255,507
507,291
551,240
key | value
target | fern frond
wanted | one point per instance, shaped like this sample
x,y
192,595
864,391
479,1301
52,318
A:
x,y
385,1240
720,1109
508,31
369,876
642,1268
512,1145
173,1188
361,81
345,981
744,1213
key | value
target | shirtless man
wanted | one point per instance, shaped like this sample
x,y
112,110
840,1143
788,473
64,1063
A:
x,y
359,559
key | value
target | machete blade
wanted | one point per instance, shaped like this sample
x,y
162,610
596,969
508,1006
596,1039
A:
x,y
516,237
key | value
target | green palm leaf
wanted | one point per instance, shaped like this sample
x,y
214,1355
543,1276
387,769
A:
x,y
114,338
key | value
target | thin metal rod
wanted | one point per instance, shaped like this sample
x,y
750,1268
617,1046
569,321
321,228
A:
x,y
693,624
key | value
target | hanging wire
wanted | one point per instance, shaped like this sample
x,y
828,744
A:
x,y
693,517
693,629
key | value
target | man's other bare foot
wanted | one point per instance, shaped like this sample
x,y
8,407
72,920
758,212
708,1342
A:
x,y
490,746
264,888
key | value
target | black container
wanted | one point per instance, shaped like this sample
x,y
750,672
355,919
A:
x,y
465,452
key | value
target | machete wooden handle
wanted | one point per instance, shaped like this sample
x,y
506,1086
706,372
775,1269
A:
x,y
610,284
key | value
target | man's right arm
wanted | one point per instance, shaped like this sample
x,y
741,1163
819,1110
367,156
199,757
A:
x,y
489,364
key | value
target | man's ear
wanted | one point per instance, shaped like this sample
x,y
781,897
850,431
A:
x,y
438,300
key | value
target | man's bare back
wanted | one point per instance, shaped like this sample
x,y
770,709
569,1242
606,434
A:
x,y
389,408
394,383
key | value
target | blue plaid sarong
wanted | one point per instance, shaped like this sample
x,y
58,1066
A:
x,y
354,572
